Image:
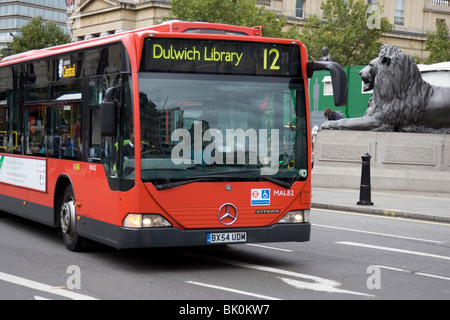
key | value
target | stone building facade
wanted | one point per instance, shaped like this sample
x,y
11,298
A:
x,y
412,19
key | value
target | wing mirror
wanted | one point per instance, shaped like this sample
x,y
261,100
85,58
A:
x,y
338,78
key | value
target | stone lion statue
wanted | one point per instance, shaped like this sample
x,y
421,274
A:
x,y
402,101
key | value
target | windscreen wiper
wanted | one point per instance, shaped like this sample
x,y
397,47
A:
x,y
212,175
227,174
169,185
279,182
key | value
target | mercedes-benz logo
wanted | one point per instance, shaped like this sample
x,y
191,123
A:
x,y
228,214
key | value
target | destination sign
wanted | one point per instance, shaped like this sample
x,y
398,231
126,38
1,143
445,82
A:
x,y
221,57
66,69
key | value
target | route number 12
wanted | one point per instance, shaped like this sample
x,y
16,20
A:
x,y
275,55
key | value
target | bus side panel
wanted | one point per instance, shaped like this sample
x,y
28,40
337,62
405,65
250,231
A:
x,y
102,210
17,201
93,196
92,193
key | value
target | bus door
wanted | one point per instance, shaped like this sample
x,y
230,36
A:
x,y
114,151
96,93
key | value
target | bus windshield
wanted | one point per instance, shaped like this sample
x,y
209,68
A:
x,y
222,128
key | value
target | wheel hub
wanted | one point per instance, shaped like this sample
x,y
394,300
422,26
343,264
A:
x,y
68,217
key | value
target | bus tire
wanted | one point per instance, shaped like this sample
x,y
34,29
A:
x,y
67,217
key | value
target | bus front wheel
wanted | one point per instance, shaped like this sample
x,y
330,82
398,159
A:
x,y
71,238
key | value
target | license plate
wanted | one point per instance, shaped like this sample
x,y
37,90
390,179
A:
x,y
226,237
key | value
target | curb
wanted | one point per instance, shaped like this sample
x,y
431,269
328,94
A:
x,y
382,212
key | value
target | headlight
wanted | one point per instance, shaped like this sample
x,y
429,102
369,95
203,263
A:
x,y
296,216
134,220
154,221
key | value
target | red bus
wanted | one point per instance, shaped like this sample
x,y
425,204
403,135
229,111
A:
x,y
181,134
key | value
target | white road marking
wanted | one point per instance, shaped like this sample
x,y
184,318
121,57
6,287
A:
x,y
323,286
267,247
378,234
43,287
416,273
255,295
417,253
317,284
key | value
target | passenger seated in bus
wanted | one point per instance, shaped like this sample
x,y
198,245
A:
x,y
58,145
35,140
62,144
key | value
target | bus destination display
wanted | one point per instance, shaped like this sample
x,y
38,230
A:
x,y
221,57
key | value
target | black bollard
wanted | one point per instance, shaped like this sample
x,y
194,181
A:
x,y
365,190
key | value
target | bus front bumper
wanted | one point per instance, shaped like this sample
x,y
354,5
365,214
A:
x,y
127,238
173,237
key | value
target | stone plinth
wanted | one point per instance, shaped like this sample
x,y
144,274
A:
x,y
400,161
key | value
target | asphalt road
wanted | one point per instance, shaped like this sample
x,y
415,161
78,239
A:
x,y
350,256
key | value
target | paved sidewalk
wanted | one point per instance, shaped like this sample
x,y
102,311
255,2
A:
x,y
414,205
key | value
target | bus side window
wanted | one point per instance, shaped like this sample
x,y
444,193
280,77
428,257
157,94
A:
x,y
36,121
65,132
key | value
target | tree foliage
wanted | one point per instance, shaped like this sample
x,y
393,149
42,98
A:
x,y
438,43
351,32
38,34
235,12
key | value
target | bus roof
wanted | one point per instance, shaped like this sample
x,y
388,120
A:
x,y
177,26
173,26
